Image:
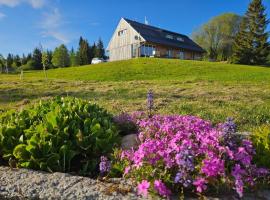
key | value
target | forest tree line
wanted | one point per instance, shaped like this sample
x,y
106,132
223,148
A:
x,y
237,39
59,57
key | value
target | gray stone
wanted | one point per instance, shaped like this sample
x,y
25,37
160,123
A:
x,y
130,141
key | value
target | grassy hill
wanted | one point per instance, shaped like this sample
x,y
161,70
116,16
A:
x,y
210,90
160,69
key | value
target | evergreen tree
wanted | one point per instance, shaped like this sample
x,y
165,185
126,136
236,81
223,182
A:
x,y
29,57
9,60
37,59
94,51
50,55
73,58
84,52
251,44
61,57
24,59
17,61
100,49
2,63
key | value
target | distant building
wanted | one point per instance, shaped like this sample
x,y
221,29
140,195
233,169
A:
x,y
132,39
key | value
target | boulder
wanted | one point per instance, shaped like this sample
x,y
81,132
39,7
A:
x,y
130,141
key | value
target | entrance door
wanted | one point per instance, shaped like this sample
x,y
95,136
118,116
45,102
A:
x,y
181,55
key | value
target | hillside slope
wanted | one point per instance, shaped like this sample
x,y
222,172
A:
x,y
160,69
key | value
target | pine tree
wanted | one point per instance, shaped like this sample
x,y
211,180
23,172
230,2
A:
x,y
100,49
73,58
84,52
242,47
37,59
251,45
24,59
9,60
94,51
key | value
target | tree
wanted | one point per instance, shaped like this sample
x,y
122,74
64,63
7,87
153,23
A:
x,y
217,36
84,52
9,60
2,63
24,59
73,58
251,44
17,61
45,60
94,51
61,57
100,49
37,59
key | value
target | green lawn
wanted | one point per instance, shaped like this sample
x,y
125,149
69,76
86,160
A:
x,y
210,90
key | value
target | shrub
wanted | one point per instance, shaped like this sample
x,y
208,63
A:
x,y
261,140
187,152
126,124
62,134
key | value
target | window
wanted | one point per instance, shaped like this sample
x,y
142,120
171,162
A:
x,y
169,36
148,50
181,55
170,53
122,32
180,39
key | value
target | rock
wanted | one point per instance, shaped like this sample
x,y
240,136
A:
x,y
130,141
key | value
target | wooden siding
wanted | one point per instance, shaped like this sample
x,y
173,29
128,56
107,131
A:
x,y
162,52
120,47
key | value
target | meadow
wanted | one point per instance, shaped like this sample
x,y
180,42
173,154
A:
x,y
209,90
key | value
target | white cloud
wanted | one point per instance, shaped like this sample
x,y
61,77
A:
x,y
51,26
13,3
2,15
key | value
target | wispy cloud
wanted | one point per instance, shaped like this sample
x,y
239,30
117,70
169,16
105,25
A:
x,y
94,23
13,3
2,15
51,26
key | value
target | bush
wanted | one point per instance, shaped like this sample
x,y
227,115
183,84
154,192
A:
x,y
261,141
62,134
126,124
186,152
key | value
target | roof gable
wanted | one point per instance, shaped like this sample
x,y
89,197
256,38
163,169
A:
x,y
161,36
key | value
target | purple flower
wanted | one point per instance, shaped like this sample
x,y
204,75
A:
x,y
191,148
143,188
104,165
213,167
200,184
150,102
229,126
162,190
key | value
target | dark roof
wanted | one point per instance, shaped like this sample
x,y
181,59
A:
x,y
158,36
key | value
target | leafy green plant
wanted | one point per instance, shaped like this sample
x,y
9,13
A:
x,y
62,134
261,141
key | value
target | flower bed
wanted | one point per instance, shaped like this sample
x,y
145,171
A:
x,y
186,153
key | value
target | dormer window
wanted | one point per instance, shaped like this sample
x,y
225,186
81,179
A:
x,y
169,36
122,32
180,39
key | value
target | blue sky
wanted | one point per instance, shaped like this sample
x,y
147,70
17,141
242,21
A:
x,y
24,24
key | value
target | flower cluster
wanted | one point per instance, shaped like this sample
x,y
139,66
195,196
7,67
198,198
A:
x,y
104,165
188,152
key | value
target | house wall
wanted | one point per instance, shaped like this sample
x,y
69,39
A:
x,y
162,51
120,47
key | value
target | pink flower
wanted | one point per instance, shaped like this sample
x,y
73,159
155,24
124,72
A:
x,y
143,188
200,184
127,169
161,188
